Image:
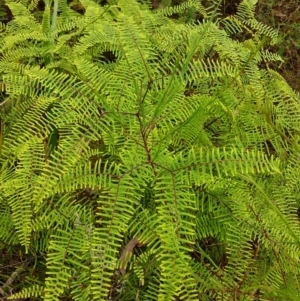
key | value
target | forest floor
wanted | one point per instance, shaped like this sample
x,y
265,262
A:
x,y
284,15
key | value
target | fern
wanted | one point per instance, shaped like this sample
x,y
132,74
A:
x,y
146,158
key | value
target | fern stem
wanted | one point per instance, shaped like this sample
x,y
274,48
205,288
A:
x,y
54,15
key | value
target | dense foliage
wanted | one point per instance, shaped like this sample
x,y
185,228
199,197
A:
x,y
146,157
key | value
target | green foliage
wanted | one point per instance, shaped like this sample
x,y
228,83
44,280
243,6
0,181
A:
x,y
145,158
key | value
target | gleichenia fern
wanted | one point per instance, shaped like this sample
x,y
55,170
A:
x,y
146,158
